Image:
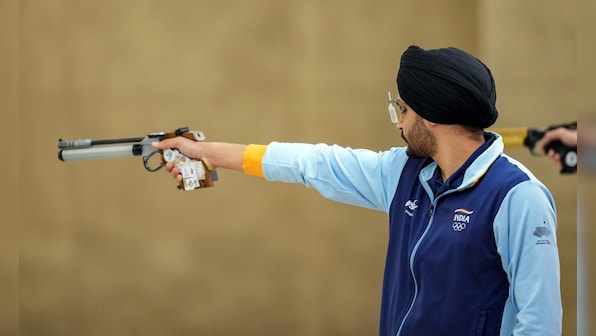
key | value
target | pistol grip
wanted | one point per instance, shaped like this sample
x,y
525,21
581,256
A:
x,y
568,156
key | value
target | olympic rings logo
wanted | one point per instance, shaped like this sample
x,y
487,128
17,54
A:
x,y
458,226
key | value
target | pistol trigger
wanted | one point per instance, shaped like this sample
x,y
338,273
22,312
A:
x,y
147,165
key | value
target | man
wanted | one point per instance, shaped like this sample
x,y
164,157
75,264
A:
x,y
472,244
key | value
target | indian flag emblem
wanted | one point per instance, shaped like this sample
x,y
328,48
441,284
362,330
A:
x,y
462,215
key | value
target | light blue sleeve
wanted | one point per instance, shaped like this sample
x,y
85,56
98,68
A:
x,y
357,177
525,233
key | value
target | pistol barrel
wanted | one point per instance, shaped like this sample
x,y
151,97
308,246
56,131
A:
x,y
102,152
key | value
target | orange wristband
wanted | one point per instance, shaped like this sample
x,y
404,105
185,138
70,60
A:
x,y
252,158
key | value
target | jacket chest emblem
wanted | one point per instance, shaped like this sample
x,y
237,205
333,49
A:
x,y
461,219
410,207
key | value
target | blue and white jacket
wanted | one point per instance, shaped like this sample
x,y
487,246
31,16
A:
x,y
476,255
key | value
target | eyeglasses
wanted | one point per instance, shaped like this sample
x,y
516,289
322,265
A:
x,y
391,108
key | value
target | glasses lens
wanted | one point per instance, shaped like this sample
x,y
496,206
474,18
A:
x,y
391,108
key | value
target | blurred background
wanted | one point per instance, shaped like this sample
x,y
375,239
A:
x,y
107,248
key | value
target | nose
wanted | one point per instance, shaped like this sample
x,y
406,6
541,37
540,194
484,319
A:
x,y
400,122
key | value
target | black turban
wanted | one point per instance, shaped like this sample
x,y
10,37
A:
x,y
447,86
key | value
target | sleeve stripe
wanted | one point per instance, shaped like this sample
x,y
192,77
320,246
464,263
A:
x,y
252,158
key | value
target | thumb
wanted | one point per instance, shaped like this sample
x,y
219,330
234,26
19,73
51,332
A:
x,y
546,139
167,143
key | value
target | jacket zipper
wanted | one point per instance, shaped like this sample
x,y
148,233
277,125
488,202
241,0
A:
x,y
430,220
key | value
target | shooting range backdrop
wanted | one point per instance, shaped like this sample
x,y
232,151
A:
x,y
110,249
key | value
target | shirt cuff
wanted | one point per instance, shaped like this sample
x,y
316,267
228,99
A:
x,y
252,159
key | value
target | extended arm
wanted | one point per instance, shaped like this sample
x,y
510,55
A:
x,y
213,154
357,177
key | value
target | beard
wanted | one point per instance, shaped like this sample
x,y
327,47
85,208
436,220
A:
x,y
421,142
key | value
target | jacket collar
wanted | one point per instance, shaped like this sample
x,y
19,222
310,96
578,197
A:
x,y
470,172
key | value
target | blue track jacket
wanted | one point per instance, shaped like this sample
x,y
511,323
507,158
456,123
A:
x,y
476,255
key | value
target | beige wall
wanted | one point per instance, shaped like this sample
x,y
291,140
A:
x,y
9,197
109,249
532,49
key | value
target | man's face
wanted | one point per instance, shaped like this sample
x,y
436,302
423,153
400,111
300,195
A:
x,y
421,142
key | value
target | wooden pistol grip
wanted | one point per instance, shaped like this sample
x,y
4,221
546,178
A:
x,y
208,181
